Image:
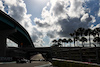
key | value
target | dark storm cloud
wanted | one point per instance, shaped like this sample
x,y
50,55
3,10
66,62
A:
x,y
69,25
42,24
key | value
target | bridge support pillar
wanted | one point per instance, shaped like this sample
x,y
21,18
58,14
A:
x,y
3,37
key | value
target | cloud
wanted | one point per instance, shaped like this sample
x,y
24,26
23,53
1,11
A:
x,y
41,23
76,9
52,34
17,10
99,10
57,8
95,26
1,5
85,16
66,16
99,13
58,18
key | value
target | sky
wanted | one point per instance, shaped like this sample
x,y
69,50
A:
x,y
46,20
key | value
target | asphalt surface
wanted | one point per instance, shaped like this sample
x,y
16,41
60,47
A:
x,y
33,64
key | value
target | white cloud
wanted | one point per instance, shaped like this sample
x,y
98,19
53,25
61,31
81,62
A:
x,y
17,10
1,6
11,2
62,18
93,26
65,17
85,16
93,19
76,9
99,13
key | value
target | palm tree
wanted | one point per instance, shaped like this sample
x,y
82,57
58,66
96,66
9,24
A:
x,y
83,39
97,30
93,32
88,32
76,33
70,40
97,40
76,39
73,35
55,42
76,36
65,41
60,42
81,31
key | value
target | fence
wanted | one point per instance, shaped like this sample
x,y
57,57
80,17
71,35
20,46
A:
x,y
84,54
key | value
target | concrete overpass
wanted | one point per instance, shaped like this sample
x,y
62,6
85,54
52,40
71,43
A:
x,y
45,51
28,52
11,29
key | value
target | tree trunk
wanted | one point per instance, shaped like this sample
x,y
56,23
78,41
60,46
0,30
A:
x,y
74,42
98,34
82,44
89,41
64,44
